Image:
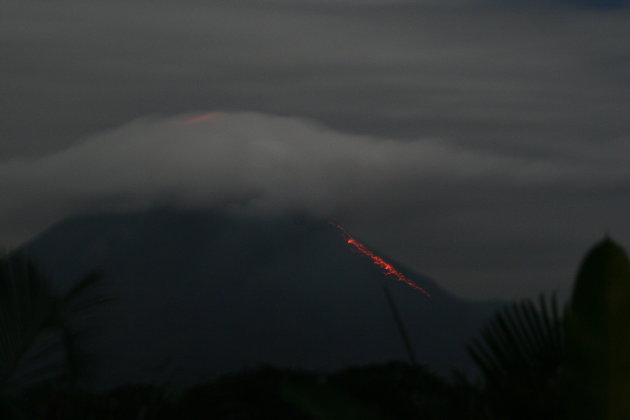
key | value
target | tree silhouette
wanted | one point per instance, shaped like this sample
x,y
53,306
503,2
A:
x,y
39,335
519,354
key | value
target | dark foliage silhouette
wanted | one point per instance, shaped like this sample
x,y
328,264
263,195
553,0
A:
x,y
40,330
519,354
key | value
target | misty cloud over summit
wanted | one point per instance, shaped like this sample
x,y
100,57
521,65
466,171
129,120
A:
x,y
484,143
251,162
266,162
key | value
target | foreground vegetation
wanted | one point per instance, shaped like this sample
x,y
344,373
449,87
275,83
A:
x,y
534,360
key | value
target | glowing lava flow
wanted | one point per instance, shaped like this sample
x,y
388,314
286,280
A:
x,y
387,267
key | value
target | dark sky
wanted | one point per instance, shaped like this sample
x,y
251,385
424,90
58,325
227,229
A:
x,y
486,144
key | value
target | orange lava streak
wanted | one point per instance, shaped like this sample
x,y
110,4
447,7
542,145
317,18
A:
x,y
387,267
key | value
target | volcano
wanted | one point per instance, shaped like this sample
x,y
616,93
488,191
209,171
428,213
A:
x,y
202,293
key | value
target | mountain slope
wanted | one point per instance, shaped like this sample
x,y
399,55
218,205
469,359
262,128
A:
x,y
205,293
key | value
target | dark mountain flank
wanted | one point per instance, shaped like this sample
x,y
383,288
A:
x,y
200,293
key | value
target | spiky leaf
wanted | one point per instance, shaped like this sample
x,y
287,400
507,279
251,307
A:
x,y
519,354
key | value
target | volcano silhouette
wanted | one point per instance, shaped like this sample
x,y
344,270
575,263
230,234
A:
x,y
202,293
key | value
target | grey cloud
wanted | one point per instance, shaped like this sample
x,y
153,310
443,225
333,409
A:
x,y
451,195
484,76
587,4
522,110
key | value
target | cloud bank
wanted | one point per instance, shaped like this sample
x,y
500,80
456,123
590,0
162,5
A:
x,y
481,142
490,77
260,163
270,163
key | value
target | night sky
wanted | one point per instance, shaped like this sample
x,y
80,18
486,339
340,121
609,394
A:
x,y
485,144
